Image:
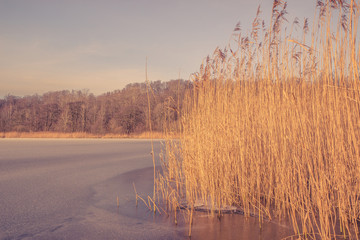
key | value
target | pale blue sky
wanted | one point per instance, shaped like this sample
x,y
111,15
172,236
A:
x,y
49,45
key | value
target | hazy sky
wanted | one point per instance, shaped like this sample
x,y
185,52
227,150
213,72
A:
x,y
49,45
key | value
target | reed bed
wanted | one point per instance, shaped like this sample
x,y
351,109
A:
x,y
272,126
47,135
144,135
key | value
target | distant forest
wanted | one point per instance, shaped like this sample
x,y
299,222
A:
x,y
121,112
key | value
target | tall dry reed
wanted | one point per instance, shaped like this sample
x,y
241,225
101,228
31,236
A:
x,y
272,125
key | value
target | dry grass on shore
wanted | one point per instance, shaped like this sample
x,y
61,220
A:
x,y
273,127
145,135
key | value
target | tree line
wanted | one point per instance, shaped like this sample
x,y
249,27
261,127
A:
x,y
121,111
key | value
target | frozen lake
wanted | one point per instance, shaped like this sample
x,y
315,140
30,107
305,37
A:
x,y
67,189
